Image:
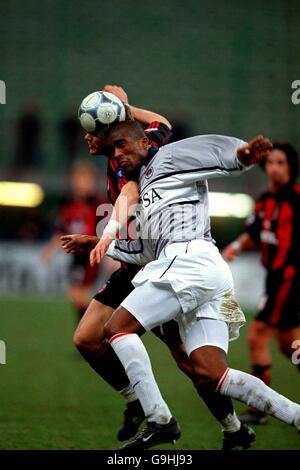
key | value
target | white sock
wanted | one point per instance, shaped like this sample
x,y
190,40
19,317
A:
x,y
254,392
231,423
135,360
129,394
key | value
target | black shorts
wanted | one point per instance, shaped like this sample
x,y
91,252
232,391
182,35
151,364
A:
x,y
281,308
119,286
168,333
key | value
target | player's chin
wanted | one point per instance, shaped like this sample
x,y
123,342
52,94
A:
x,y
130,171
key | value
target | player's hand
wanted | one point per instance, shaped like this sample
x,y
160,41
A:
x,y
77,243
257,150
117,91
101,248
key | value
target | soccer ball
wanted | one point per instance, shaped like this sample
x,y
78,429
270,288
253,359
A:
x,y
99,110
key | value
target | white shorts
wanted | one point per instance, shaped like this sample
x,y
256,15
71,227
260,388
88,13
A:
x,y
187,277
195,331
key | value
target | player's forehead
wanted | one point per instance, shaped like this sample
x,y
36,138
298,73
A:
x,y
277,155
119,135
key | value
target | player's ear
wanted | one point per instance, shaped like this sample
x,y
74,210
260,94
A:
x,y
145,142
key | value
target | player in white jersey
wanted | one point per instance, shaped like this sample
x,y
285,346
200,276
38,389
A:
x,y
186,278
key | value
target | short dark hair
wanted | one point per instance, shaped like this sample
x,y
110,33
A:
x,y
291,156
132,128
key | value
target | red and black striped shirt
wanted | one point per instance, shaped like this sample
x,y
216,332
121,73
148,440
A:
x,y
78,215
275,225
158,135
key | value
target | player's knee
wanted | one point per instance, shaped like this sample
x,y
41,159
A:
x,y
205,375
78,340
109,330
81,341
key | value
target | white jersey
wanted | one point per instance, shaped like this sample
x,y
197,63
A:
x,y
175,241
174,194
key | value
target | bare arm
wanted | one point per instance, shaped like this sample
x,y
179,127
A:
x,y
145,116
139,114
124,208
77,243
243,243
126,202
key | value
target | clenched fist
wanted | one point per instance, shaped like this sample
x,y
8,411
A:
x,y
257,150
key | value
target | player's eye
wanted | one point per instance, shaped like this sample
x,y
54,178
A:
x,y
121,143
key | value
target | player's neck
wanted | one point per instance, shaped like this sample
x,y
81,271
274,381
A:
x,y
276,186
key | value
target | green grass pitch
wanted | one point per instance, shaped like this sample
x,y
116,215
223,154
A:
x,y
51,399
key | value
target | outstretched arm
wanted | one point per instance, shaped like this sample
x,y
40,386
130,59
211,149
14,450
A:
x,y
210,156
139,114
77,243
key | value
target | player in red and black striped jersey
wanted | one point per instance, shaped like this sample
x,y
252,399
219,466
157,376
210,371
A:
x,y
89,335
77,215
275,228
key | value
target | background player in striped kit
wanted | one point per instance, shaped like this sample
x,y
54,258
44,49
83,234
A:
x,y
77,214
274,227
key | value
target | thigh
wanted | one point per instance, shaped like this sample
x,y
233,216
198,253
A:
x,y
260,332
200,332
90,327
122,322
209,363
152,304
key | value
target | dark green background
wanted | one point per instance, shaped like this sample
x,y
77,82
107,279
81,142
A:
x,y
224,66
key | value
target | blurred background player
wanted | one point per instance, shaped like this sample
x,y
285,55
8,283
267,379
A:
x,y
275,229
77,214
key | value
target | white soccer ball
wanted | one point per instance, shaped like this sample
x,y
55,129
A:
x,y
99,110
